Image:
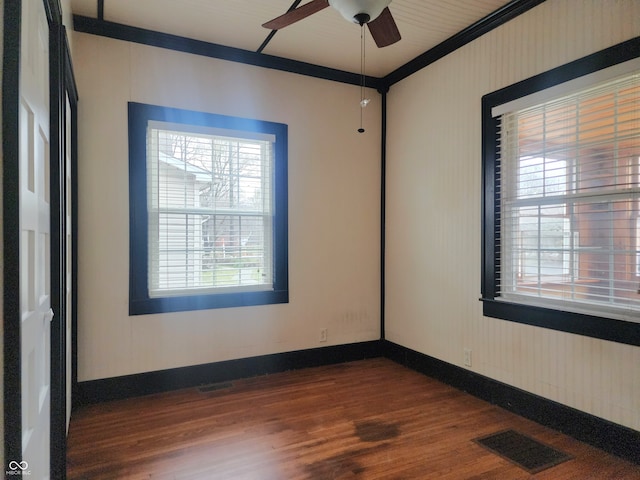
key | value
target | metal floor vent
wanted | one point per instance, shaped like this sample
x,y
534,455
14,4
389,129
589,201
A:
x,y
522,450
212,387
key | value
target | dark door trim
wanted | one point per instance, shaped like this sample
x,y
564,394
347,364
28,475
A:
x,y
57,440
11,231
62,85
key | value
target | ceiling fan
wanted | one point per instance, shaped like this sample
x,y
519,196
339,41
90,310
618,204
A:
x,y
375,13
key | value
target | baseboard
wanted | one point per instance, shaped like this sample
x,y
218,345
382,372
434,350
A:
x,y
117,388
608,436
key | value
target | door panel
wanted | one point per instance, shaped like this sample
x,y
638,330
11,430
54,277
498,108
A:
x,y
35,259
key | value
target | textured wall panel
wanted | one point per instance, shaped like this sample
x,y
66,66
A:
x,y
434,220
334,212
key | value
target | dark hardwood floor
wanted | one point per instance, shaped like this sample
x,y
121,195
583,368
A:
x,y
370,419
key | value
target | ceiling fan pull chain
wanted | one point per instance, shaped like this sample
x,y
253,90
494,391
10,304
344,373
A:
x,y
363,101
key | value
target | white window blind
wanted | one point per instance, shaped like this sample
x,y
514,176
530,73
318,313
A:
x,y
569,186
210,210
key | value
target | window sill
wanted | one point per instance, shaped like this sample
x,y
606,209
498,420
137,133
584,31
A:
x,y
570,322
206,302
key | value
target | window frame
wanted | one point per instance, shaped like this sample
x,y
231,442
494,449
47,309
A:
x,y
140,302
578,323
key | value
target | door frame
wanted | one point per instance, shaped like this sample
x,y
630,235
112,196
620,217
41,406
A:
x,y
72,90
61,82
11,230
62,85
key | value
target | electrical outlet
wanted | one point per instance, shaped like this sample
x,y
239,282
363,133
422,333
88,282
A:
x,y
323,334
467,357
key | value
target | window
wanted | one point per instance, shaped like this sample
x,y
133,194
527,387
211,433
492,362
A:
x,y
208,210
562,199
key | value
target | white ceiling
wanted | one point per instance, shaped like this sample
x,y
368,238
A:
x,y
324,38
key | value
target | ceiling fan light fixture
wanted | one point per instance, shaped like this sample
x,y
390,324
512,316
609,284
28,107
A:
x,y
352,10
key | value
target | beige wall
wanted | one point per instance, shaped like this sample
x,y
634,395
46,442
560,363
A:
x,y
334,215
433,220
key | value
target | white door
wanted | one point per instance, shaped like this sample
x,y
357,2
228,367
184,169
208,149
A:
x,y
35,281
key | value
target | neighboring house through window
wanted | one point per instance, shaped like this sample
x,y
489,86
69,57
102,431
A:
x,y
562,199
208,210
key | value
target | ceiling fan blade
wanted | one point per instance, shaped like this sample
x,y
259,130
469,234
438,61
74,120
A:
x,y
384,29
296,15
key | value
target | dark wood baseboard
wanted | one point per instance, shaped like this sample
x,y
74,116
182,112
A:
x,y
608,436
116,388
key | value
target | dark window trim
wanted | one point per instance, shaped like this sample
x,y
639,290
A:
x,y
139,300
588,325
